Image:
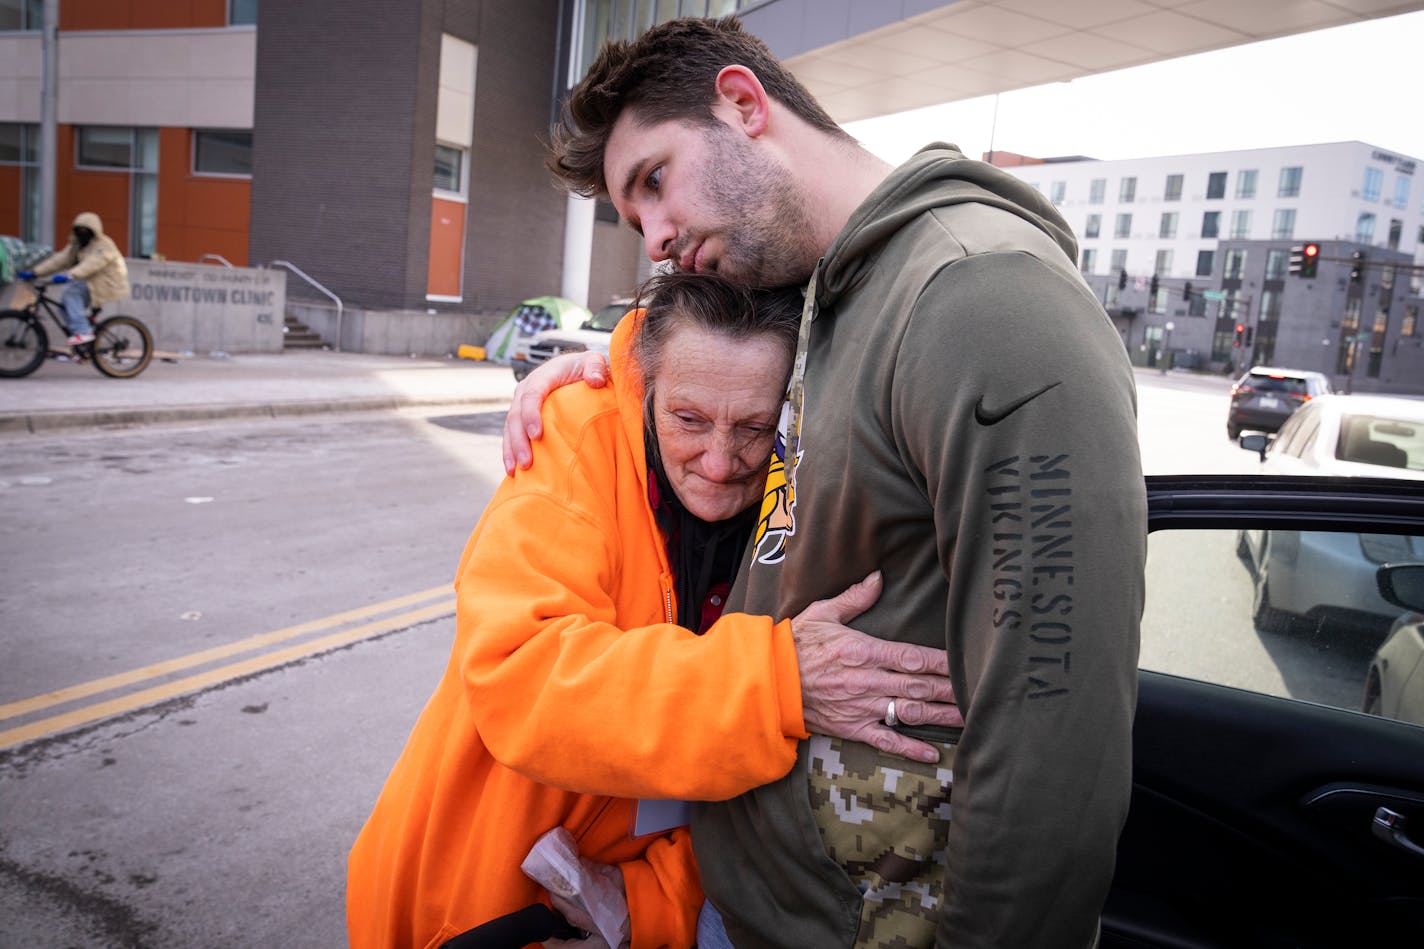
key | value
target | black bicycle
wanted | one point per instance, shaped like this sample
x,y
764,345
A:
x,y
122,346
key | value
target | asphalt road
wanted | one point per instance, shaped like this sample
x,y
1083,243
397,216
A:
x,y
202,702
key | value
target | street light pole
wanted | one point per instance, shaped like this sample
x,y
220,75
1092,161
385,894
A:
x,y
49,111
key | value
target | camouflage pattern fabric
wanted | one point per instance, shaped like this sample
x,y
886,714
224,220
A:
x,y
885,820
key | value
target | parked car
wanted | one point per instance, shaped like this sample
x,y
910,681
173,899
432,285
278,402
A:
x,y
1328,577
1394,687
1262,399
594,334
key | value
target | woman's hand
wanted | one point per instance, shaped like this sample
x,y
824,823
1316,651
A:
x,y
848,678
523,423
579,918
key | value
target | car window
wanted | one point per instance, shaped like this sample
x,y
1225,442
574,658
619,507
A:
x,y
1282,384
1286,442
1295,614
607,317
1387,442
1308,429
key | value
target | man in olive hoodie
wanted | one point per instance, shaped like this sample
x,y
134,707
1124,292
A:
x,y
962,417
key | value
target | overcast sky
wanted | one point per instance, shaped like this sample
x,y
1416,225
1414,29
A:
x,y
1366,80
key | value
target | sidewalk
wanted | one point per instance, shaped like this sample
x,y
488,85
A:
x,y
63,395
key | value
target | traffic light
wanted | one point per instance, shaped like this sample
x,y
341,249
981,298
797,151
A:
x,y
1305,260
1250,332
1122,279
1357,266
1152,290
1240,335
1187,292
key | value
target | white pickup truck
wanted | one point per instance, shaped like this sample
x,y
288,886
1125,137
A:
x,y
594,334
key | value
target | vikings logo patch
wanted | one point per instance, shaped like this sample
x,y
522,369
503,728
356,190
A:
x,y
778,506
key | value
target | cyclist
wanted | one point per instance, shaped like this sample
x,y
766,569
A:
x,y
94,271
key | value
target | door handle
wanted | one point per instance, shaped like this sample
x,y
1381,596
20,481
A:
x,y
1389,826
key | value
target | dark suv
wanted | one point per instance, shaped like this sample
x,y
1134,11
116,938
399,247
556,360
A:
x,y
1266,396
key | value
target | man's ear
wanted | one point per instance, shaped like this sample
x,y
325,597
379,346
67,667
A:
x,y
742,101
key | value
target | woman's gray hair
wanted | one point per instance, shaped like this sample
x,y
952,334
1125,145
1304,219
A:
x,y
715,306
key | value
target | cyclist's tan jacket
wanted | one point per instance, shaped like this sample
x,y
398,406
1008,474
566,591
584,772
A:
x,y
100,264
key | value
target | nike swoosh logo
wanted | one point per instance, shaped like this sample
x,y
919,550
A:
x,y
987,416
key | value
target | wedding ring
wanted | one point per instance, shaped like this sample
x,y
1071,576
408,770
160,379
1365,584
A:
x,y
891,718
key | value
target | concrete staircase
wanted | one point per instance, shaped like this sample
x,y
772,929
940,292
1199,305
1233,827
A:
x,y
298,335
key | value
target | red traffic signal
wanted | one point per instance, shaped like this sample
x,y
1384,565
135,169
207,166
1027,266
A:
x,y
1305,260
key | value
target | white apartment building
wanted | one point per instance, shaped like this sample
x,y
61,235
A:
x,y
1165,215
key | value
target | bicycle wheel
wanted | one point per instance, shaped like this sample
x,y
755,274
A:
x,y
23,344
122,347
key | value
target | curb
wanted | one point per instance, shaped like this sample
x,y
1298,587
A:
x,y
51,420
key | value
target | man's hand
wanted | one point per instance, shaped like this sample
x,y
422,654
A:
x,y
849,678
523,425
26,275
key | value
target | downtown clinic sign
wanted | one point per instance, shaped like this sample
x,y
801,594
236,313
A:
x,y
205,309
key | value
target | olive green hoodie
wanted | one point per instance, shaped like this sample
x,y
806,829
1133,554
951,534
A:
x,y
967,425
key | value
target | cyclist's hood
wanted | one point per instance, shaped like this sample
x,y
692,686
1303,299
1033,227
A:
x,y
90,220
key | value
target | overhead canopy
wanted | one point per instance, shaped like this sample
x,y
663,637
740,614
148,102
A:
x,y
867,58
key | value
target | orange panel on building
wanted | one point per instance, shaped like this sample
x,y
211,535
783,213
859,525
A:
x,y
141,14
447,247
199,214
11,198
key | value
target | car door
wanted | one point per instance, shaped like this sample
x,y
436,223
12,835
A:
x,y
1267,810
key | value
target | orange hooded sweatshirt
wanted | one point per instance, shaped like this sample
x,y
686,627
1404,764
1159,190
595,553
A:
x,y
569,692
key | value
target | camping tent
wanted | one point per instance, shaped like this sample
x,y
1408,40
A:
x,y
530,317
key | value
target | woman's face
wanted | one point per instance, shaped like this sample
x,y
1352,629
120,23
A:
x,y
716,402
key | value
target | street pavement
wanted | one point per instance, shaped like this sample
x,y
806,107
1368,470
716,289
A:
x,y
67,395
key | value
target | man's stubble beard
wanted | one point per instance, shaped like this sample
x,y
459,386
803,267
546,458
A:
x,y
759,214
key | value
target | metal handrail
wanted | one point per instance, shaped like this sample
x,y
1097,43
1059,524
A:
x,y
298,271
219,258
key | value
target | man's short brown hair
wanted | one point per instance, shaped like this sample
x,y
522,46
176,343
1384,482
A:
x,y
667,73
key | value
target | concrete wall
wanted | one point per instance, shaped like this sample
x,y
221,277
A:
x,y
396,332
204,308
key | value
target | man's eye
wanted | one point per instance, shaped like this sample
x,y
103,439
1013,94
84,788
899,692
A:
x,y
654,179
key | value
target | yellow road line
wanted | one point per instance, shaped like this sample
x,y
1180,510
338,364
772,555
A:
x,y
118,680
159,693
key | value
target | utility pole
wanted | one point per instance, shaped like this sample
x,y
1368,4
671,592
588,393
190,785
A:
x,y
49,112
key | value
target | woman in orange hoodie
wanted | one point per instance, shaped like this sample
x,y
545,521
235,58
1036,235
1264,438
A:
x,y
580,678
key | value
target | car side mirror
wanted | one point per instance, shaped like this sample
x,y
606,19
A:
x,y
587,325
1402,584
1256,443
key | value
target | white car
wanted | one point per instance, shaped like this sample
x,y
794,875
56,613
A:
x,y
1327,578
594,335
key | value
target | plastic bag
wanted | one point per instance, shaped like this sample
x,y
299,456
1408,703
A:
x,y
554,864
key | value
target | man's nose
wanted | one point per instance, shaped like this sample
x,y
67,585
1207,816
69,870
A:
x,y
659,236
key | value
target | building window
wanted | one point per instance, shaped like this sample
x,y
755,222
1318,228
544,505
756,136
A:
x,y
1290,183
1127,191
1096,190
1168,227
21,14
1090,260
1365,228
1216,185
1246,183
1401,193
1119,261
1093,225
222,152
1270,305
1277,261
242,12
1057,191
1211,224
1163,265
1396,230
1206,262
19,146
1409,326
450,170
1374,184
1174,188
132,150
1283,224
1123,227
1240,224
1234,267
